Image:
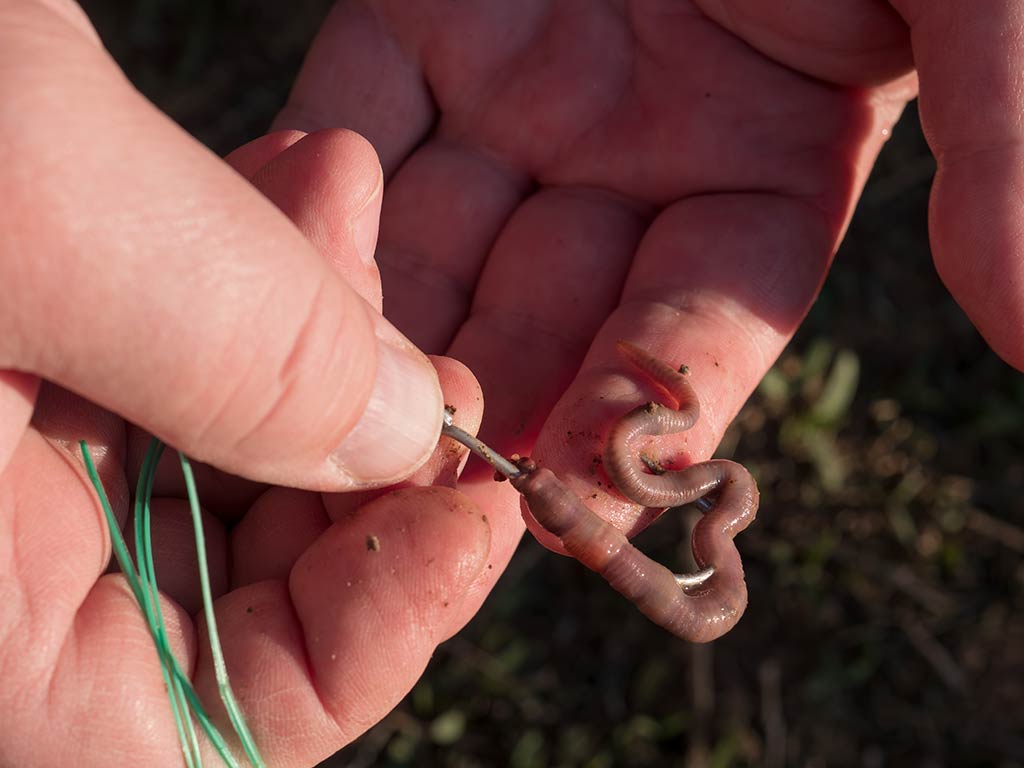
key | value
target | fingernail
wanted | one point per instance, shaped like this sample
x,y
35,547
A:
x,y
401,424
366,224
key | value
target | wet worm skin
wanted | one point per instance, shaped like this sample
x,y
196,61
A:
x,y
697,613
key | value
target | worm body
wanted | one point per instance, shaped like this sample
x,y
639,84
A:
x,y
695,608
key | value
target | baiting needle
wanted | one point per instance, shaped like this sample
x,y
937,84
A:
x,y
481,449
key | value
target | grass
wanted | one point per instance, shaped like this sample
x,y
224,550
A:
x,y
886,619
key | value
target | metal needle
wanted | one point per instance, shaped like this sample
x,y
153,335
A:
x,y
492,457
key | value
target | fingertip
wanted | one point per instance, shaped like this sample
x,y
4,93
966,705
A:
x,y
400,424
464,399
249,158
460,391
350,159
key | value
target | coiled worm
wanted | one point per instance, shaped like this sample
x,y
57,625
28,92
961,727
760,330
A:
x,y
696,607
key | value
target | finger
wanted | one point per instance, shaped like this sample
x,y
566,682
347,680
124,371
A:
x,y
284,523
465,401
281,525
63,419
443,211
504,517
224,495
47,497
553,277
125,719
330,185
250,157
969,67
53,548
388,101
176,563
315,665
319,181
17,398
462,394
179,298
431,544
742,272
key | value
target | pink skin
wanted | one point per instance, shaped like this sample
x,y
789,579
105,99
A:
x,y
697,613
560,173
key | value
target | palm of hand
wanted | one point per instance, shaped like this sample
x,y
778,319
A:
x,y
594,174
565,175
563,168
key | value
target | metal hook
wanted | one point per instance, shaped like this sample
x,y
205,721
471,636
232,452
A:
x,y
478,447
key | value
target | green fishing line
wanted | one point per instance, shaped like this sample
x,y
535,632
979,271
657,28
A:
x,y
141,577
219,667
151,606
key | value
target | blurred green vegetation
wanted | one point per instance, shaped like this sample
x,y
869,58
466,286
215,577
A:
x,y
886,619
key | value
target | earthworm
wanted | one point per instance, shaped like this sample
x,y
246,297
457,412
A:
x,y
699,607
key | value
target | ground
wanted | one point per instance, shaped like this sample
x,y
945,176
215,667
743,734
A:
x,y
886,618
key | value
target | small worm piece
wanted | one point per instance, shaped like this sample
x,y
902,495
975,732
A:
x,y
698,613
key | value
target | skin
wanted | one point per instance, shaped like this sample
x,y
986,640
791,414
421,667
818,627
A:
x,y
716,600
560,175
149,287
72,646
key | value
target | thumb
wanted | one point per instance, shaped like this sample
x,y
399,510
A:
x,y
142,273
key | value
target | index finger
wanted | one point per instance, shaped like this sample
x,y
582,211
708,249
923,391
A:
x,y
357,75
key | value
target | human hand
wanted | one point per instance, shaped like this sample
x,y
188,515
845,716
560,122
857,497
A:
x,y
563,175
145,280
